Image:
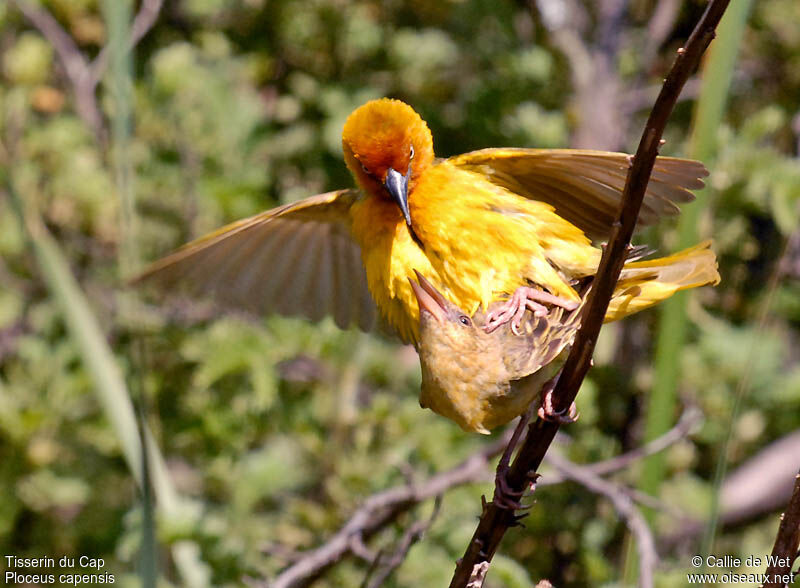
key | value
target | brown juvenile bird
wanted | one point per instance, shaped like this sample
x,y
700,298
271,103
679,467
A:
x,y
482,377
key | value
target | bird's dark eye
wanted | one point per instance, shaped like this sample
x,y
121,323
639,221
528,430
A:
x,y
364,168
464,320
411,155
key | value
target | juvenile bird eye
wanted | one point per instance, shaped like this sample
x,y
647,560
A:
x,y
464,320
411,155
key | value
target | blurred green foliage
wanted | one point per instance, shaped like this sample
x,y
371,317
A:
x,y
275,430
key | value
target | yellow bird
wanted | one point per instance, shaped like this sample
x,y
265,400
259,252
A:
x,y
479,226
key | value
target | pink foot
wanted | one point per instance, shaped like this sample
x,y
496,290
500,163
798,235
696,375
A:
x,y
524,298
547,412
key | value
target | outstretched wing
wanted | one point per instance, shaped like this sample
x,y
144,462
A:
x,y
584,186
296,260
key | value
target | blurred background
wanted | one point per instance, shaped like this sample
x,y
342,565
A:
x,y
270,432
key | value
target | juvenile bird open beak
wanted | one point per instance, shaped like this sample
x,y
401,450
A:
x,y
397,186
429,298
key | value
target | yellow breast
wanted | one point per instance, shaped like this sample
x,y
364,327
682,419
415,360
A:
x,y
390,257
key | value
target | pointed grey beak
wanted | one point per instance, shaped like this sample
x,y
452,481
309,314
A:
x,y
397,185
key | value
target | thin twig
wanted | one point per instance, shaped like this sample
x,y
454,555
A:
x,y
612,465
379,510
638,98
623,504
661,24
360,549
142,23
494,521
413,534
82,75
787,541
658,505
75,65
597,86
688,420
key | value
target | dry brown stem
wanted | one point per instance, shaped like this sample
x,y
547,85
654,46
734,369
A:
x,y
495,520
787,541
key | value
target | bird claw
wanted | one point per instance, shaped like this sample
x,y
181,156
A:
x,y
524,298
506,498
562,417
547,412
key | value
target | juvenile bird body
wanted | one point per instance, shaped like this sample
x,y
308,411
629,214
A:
x,y
483,379
478,226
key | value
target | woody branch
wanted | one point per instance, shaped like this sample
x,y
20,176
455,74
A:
x,y
496,520
785,551
381,509
84,75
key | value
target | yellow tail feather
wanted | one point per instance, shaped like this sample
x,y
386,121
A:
x,y
645,283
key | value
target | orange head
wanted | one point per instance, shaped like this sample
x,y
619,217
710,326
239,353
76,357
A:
x,y
387,146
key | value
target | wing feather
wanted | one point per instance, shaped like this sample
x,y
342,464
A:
x,y
291,280
249,285
584,186
322,270
298,260
344,278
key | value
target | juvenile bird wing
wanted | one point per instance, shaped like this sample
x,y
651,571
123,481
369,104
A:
x,y
584,186
540,341
297,260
